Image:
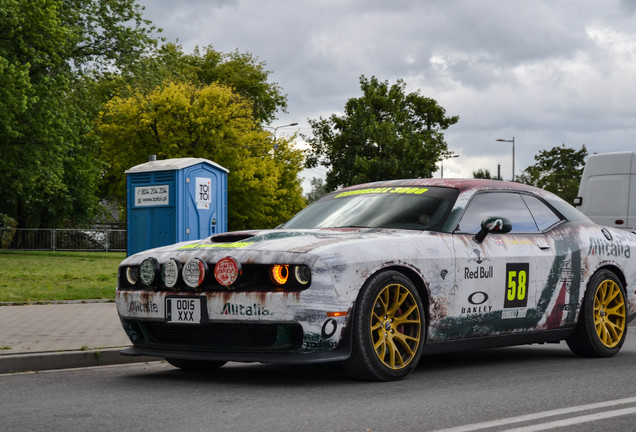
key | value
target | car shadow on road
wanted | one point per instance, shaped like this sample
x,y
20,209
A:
x,y
494,356
254,374
534,356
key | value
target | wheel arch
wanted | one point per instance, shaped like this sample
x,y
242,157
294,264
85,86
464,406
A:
x,y
413,276
610,267
614,269
601,332
370,365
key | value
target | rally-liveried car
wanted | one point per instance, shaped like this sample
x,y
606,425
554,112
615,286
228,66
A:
x,y
376,275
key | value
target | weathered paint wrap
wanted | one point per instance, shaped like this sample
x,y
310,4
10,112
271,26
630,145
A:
x,y
465,285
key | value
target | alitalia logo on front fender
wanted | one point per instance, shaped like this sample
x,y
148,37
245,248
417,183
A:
x,y
608,248
244,310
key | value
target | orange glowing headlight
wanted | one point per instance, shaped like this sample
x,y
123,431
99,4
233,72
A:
x,y
279,274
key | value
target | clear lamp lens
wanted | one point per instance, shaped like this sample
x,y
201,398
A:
x,y
148,271
132,275
170,273
302,273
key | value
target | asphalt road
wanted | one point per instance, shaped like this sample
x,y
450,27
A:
x,y
504,389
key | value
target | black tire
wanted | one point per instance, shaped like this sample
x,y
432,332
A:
x,y
198,366
389,329
602,325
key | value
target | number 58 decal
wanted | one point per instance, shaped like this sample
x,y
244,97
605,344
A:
x,y
517,278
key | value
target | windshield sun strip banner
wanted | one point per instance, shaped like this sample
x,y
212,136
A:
x,y
401,190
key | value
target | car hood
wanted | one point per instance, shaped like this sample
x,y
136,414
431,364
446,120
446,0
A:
x,y
251,243
296,240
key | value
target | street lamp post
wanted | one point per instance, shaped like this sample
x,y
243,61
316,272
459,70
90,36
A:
x,y
513,153
276,128
442,165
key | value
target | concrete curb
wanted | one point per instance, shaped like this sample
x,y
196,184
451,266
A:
x,y
66,360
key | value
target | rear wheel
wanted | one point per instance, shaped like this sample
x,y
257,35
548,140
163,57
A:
x,y
602,324
199,366
388,329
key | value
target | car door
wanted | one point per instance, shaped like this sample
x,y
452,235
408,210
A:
x,y
501,279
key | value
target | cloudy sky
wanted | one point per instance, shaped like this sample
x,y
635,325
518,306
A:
x,y
544,72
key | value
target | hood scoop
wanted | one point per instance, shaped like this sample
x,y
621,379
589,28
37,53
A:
x,y
230,237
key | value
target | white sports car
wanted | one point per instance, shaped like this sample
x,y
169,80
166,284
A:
x,y
377,275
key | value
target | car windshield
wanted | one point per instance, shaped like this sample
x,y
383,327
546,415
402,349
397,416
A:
x,y
414,208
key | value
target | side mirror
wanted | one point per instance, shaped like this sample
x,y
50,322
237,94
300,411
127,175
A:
x,y
578,201
493,224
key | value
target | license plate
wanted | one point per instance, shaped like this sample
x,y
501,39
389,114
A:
x,y
184,310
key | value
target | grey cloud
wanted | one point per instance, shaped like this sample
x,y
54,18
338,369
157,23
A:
x,y
530,69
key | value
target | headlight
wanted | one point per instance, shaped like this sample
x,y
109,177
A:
x,y
148,271
226,271
194,272
170,273
302,273
132,275
279,274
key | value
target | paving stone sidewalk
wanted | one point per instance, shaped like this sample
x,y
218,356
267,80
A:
x,y
64,335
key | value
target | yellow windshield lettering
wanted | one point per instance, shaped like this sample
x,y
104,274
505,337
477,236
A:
x,y
402,190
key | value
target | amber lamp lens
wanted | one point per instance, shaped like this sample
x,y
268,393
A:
x,y
279,274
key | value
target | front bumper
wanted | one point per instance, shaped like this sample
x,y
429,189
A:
x,y
339,354
244,327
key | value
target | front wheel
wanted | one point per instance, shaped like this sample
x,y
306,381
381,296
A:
x,y
388,329
602,325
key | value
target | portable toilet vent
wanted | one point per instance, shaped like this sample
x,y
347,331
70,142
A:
x,y
175,200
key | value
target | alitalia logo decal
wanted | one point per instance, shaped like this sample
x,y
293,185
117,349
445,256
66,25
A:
x,y
244,310
607,248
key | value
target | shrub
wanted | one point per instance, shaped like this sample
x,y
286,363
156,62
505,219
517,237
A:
x,y
7,230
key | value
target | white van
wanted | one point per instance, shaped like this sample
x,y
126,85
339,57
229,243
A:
x,y
607,193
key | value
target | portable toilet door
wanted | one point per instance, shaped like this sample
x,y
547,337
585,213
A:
x,y
175,200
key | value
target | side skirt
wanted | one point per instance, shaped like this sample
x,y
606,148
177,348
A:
x,y
548,336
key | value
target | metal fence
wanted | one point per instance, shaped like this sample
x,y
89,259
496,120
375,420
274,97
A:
x,y
52,239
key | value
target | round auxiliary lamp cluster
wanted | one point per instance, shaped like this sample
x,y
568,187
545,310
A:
x,y
195,271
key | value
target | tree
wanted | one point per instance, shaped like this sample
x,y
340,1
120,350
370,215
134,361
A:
x,y
317,190
48,174
181,119
385,134
244,73
557,170
482,174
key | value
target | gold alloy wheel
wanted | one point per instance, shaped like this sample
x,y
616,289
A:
x,y
396,326
609,313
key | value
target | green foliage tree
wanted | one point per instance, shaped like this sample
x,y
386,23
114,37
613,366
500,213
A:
x,y
317,190
557,170
384,134
482,174
245,74
48,174
181,119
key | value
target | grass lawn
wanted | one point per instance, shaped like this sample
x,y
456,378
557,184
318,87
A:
x,y
39,276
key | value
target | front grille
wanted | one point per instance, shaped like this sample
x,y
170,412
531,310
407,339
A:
x,y
224,336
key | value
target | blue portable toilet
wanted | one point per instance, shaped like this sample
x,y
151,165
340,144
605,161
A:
x,y
174,200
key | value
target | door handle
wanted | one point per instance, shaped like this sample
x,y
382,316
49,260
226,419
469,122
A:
x,y
543,245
